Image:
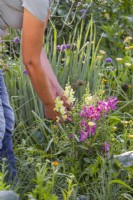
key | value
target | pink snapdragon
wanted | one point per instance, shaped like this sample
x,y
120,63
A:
x,y
88,130
106,106
83,135
92,113
106,149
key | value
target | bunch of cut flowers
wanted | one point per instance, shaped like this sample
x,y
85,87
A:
x,y
87,117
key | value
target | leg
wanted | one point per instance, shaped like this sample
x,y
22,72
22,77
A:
x,y
7,150
2,118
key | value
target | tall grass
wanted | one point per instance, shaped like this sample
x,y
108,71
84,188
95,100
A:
x,y
79,62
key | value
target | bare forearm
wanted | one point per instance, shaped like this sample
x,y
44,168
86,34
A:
x,y
40,82
47,66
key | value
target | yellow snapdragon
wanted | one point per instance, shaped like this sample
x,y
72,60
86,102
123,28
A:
x,y
91,124
69,94
128,64
59,107
59,104
88,99
102,52
119,59
128,39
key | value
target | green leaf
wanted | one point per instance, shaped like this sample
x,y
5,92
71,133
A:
x,y
114,120
83,147
49,144
127,196
87,160
121,183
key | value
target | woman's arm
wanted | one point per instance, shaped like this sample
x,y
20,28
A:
x,y
52,78
36,63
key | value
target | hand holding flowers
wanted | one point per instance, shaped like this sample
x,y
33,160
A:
x,y
64,103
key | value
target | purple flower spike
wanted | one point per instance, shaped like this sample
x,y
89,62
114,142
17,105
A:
x,y
67,46
83,123
71,136
112,102
90,112
92,130
83,11
83,135
106,147
16,40
63,47
108,60
25,72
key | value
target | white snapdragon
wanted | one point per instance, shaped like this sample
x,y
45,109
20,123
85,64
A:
x,y
59,103
69,94
59,107
91,124
88,99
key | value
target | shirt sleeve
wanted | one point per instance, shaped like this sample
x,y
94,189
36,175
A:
x,y
38,8
3,27
2,33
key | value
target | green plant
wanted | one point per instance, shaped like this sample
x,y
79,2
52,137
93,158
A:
x,y
3,184
44,189
67,193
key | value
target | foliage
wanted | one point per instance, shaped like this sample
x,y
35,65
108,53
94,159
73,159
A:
x,y
3,184
113,20
90,45
44,186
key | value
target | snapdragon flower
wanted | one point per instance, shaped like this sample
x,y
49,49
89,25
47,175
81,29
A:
x,y
88,99
92,113
69,94
59,107
106,149
83,135
59,103
87,131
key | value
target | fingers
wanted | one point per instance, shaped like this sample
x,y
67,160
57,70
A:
x,y
50,113
66,105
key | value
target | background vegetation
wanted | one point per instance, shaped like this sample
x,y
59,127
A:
x,y
88,43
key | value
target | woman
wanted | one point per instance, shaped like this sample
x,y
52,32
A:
x,y
31,16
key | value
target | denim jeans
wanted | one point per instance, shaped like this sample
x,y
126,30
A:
x,y
6,128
